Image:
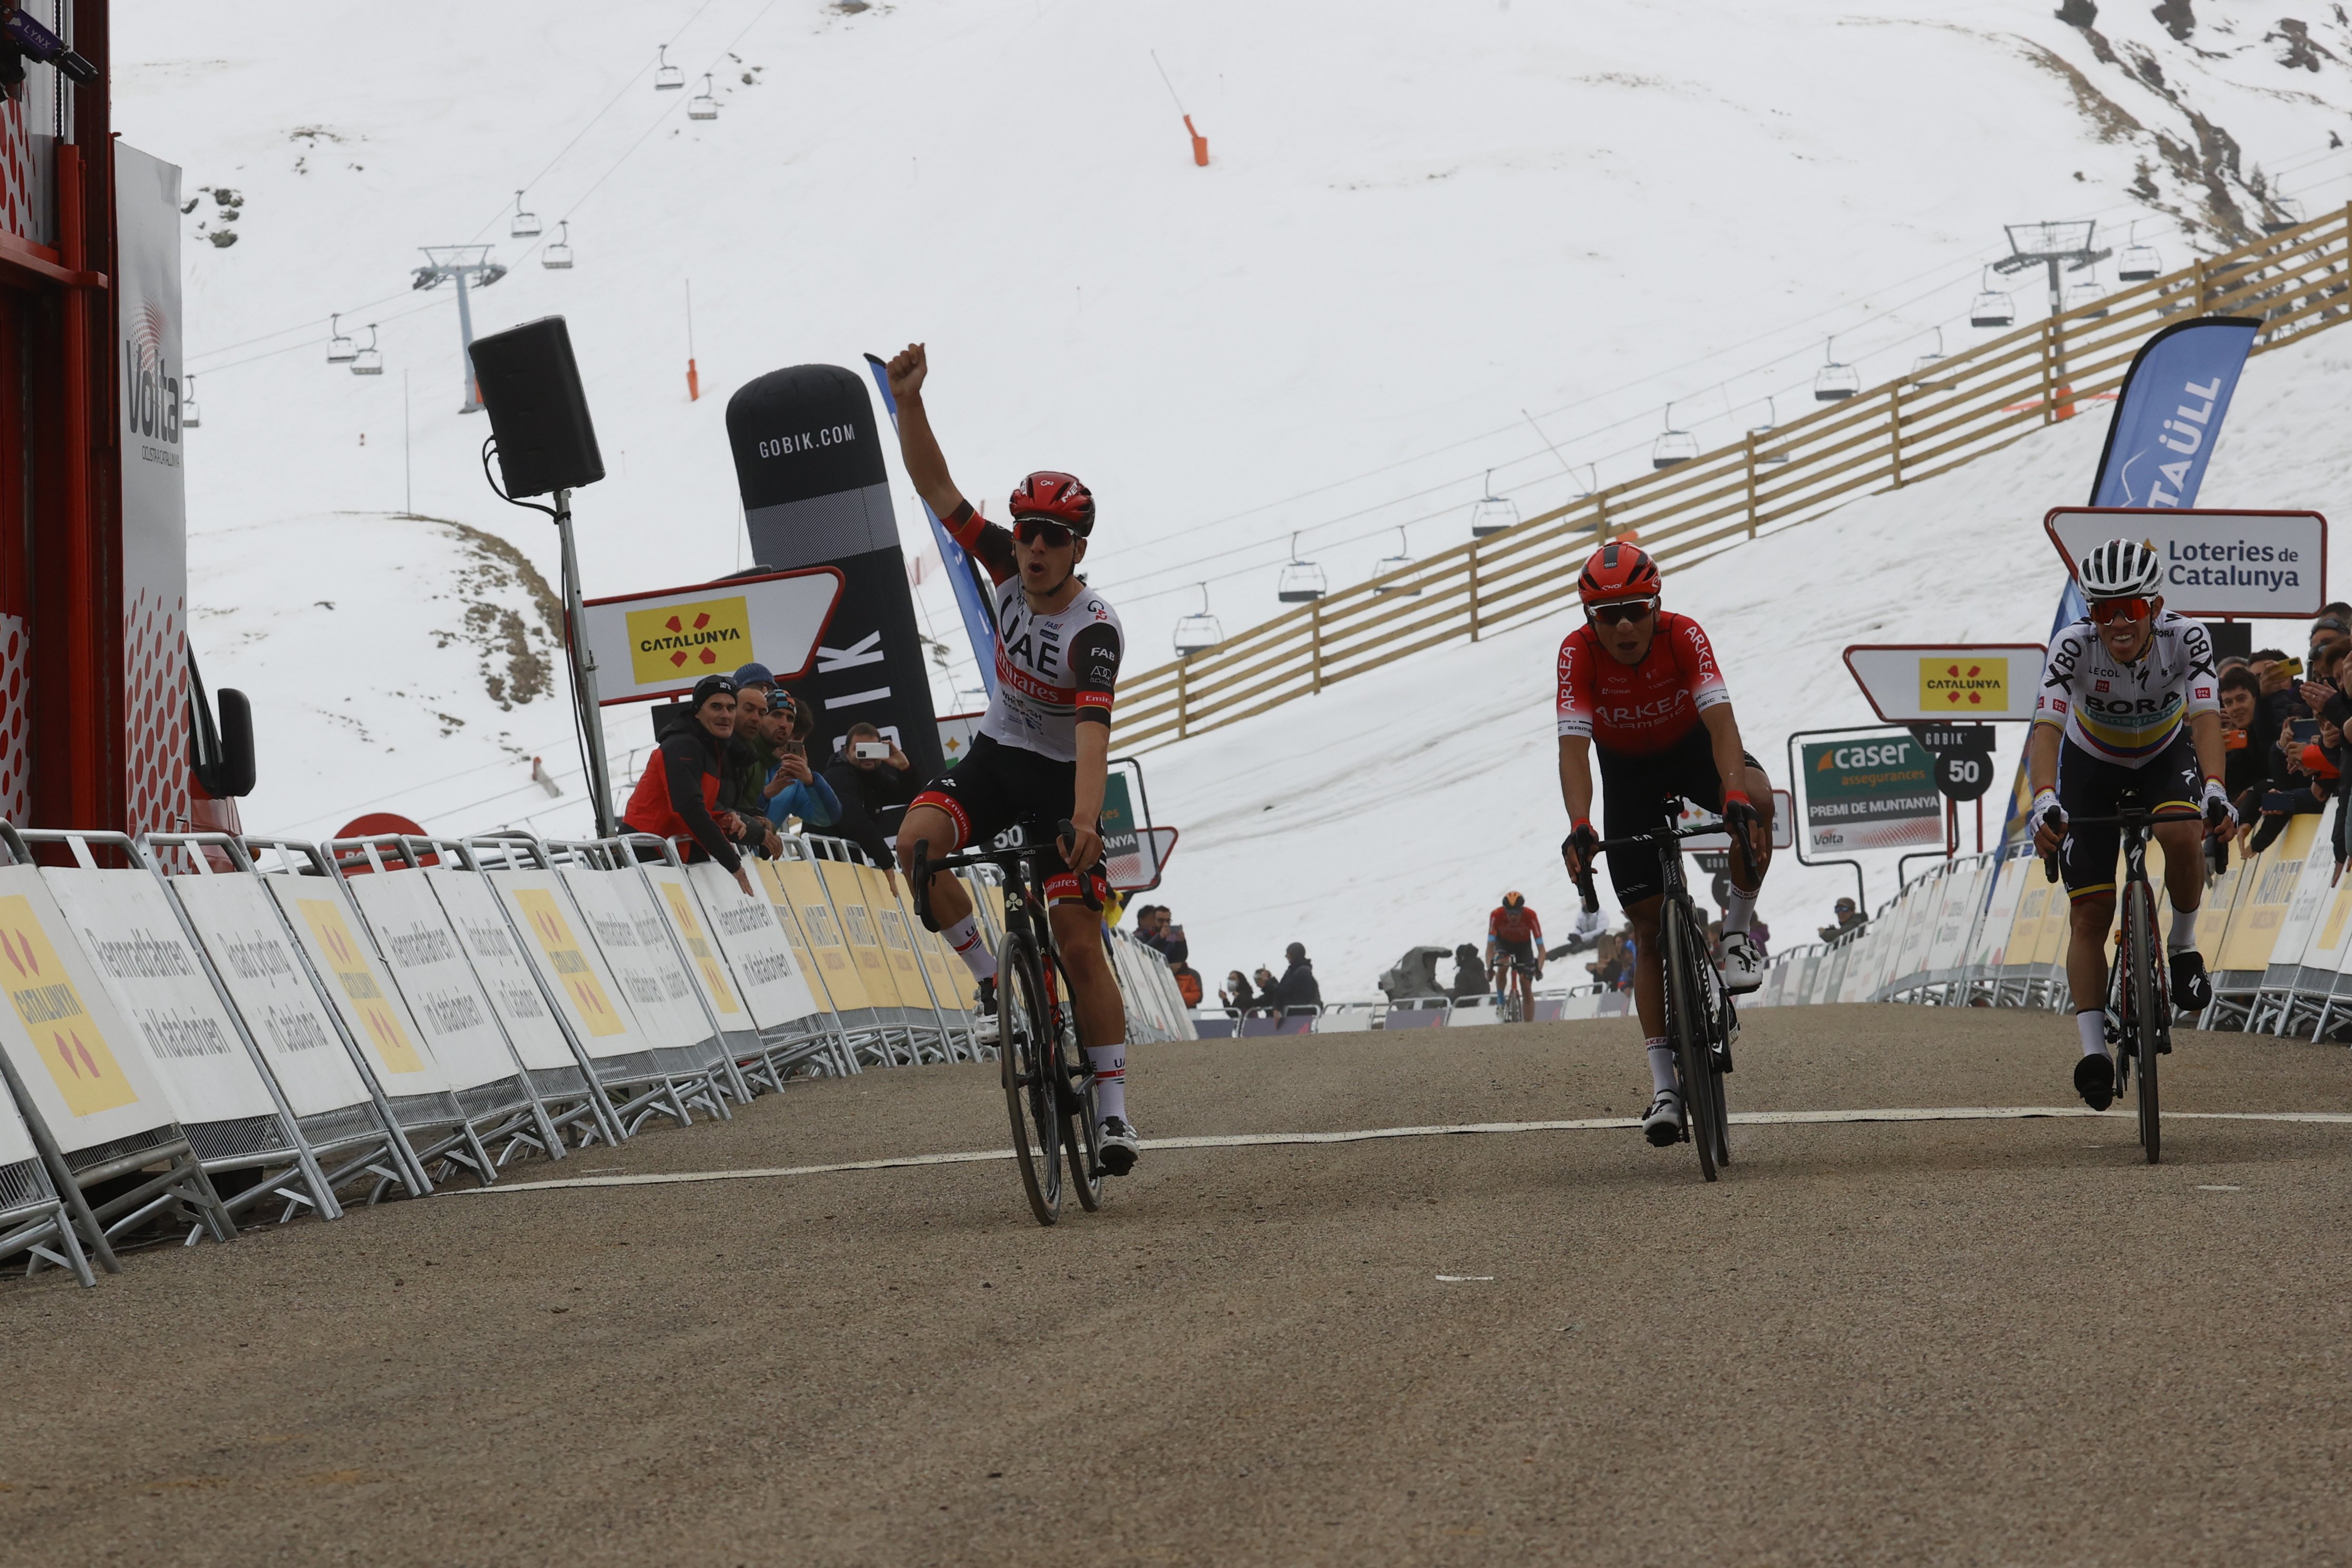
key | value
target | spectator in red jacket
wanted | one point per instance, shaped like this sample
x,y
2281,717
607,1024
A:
x,y
677,796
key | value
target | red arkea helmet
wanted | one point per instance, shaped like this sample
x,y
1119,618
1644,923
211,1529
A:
x,y
1618,571
1056,498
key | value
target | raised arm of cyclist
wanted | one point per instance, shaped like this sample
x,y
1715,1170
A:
x,y
1639,687
2129,713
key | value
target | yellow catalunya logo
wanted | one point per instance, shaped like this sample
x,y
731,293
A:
x,y
1964,685
689,641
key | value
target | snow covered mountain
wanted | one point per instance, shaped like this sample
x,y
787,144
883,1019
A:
x,y
1439,248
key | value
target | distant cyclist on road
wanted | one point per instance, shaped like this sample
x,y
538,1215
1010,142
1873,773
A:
x,y
1512,927
2129,714
1042,754
1640,684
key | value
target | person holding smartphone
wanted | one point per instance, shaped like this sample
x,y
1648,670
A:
x,y
1042,755
872,779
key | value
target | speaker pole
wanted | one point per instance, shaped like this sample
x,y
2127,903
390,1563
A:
x,y
584,673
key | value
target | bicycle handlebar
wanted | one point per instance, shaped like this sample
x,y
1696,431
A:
x,y
2139,816
921,868
1659,837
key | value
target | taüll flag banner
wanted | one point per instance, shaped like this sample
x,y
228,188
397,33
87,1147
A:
x,y
971,598
2169,413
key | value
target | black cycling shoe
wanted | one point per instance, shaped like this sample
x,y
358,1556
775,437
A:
x,y
2191,992
988,997
2094,1081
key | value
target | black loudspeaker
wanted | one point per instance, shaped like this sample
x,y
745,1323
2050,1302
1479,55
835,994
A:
x,y
531,384
2231,639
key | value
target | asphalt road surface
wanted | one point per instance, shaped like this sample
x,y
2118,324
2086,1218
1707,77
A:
x,y
1998,1341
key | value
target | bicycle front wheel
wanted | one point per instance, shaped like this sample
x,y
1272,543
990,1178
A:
x,y
1026,1061
2148,995
1081,1121
1689,1025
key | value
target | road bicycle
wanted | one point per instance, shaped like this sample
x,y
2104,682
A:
x,y
1699,1013
2139,991
1049,1087
1510,1007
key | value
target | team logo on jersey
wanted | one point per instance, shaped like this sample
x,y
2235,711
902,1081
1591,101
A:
x,y
2098,686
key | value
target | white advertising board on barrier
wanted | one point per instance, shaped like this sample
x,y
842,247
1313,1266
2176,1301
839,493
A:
x,y
1912,683
467,898
657,990
444,998
757,950
249,953
359,986
573,965
2216,564
124,923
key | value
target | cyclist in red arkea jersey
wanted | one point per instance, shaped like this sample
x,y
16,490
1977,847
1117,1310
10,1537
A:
x,y
1512,927
1641,685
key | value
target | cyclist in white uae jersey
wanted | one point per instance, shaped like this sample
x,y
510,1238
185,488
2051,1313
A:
x,y
1044,749
2128,713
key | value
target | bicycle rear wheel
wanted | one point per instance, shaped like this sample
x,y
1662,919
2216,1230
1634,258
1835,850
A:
x,y
1689,1025
1075,1083
2148,995
1026,1061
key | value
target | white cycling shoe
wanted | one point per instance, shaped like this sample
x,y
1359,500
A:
x,y
1663,1123
1743,966
1116,1142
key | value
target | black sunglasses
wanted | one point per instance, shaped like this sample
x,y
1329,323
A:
x,y
1029,530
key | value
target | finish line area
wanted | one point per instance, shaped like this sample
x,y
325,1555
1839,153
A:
x,y
1364,1300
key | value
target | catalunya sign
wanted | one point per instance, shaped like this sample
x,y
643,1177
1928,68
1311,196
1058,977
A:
x,y
658,645
1910,683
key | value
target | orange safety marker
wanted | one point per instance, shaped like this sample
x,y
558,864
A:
x,y
1199,144
693,383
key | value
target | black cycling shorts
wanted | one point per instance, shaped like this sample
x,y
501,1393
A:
x,y
1523,952
2089,786
1639,793
997,787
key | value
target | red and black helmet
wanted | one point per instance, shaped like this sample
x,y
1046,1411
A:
x,y
1618,571
1051,497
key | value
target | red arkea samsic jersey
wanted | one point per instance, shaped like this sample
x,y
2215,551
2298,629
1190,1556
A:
x,y
1508,924
1638,708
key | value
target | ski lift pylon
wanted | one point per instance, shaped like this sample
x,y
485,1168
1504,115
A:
x,y
1302,582
524,223
702,105
1673,446
1769,427
368,361
1492,513
190,416
668,77
556,256
1397,563
340,349
1992,306
1834,381
1196,633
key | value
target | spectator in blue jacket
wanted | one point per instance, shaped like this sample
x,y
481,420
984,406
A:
x,y
794,788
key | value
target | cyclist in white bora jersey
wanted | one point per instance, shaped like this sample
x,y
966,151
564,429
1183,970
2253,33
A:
x,y
2128,715
1043,752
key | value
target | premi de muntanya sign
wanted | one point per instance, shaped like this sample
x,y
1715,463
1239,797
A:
x,y
2217,565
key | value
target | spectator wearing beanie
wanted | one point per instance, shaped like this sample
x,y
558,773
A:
x,y
677,795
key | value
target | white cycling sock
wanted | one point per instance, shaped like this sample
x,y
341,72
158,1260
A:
x,y
2183,935
1109,1063
964,937
1661,1065
1739,913
2093,1026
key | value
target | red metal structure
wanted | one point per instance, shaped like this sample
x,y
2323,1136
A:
x,y
64,736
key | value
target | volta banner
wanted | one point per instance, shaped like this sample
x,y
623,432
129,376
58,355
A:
x,y
1874,793
2216,564
808,463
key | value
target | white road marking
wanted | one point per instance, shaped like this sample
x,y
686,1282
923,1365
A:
x,y
1465,1279
2203,1188
1591,1124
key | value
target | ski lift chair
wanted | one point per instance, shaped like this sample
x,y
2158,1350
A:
x,y
523,224
1302,582
1925,365
1197,633
556,256
2140,262
2284,213
1991,306
702,105
368,361
1771,427
1833,382
668,77
1397,563
1492,513
1673,446
2087,298
191,416
339,348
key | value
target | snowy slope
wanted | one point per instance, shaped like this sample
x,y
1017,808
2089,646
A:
x,y
1395,809
1425,224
